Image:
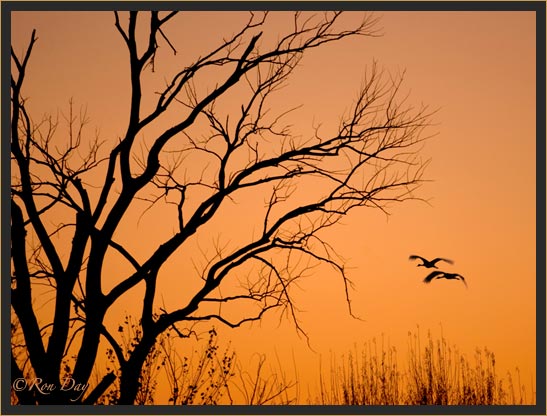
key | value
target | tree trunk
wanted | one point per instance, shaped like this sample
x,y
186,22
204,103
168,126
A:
x,y
89,348
131,371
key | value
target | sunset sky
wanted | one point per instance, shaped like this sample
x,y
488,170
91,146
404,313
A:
x,y
477,69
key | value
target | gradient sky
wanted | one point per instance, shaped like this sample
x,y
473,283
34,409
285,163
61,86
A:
x,y
476,68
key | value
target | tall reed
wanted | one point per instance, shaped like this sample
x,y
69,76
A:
x,y
435,374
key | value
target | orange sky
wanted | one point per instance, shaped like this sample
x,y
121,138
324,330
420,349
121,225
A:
x,y
477,68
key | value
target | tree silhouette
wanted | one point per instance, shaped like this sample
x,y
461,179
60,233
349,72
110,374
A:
x,y
370,160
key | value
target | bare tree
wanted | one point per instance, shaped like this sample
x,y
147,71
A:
x,y
371,160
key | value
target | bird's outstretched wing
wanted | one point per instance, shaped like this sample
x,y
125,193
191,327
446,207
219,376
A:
x,y
459,276
415,257
442,259
432,276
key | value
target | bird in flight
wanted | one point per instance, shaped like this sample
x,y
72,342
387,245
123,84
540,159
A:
x,y
427,263
438,274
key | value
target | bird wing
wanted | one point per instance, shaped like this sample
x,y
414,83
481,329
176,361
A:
x,y
415,257
442,259
461,278
432,276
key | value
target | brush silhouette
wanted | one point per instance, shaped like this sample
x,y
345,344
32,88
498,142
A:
x,y
429,263
439,274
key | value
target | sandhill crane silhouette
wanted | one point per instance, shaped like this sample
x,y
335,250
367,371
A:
x,y
439,274
429,263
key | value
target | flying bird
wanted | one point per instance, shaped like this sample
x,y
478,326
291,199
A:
x,y
438,274
429,264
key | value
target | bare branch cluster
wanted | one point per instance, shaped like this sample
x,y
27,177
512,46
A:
x,y
370,160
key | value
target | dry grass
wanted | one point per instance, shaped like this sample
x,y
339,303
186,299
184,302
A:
x,y
437,374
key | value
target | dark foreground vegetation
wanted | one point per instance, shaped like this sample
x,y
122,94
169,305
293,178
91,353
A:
x,y
431,373
434,374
